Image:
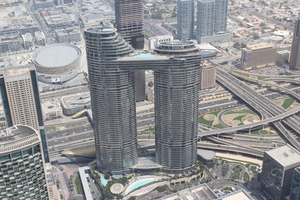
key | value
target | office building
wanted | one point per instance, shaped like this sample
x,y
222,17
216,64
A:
x,y
21,101
207,76
295,51
295,189
185,19
176,77
212,20
22,172
277,171
258,55
130,21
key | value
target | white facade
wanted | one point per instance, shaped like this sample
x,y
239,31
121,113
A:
x,y
154,41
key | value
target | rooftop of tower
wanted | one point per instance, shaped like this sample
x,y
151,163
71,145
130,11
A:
x,y
17,137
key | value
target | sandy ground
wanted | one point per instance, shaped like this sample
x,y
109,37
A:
x,y
239,157
279,102
251,118
294,105
211,117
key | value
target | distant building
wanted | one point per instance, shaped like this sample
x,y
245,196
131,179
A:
x,y
282,57
295,189
130,21
62,36
258,55
295,51
73,104
22,172
40,38
27,40
21,100
277,171
154,41
207,76
10,43
185,19
212,21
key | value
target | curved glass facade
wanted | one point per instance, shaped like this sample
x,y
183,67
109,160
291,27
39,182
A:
x,y
22,173
176,83
113,101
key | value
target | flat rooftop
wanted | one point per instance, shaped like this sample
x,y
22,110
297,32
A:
x,y
285,155
17,137
57,55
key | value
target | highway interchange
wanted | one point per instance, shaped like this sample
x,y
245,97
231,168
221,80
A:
x,y
69,138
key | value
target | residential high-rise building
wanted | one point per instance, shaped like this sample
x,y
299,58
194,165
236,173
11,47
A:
x,y
176,79
112,100
295,51
205,17
211,20
295,189
207,75
130,21
221,12
22,172
21,100
277,171
185,19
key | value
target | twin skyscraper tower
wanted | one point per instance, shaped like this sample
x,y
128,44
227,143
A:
x,y
111,66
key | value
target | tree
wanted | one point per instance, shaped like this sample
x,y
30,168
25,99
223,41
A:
x,y
243,45
131,198
150,84
162,188
255,37
174,14
262,24
106,176
236,45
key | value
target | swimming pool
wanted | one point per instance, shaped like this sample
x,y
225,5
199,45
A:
x,y
139,184
145,55
103,181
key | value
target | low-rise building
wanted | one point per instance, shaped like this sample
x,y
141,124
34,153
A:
x,y
258,55
73,104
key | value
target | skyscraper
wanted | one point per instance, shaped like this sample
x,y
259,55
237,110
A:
x,y
130,21
21,100
295,51
112,100
22,172
295,189
221,12
176,81
277,171
185,19
205,17
211,17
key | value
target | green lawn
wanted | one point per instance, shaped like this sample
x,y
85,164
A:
x,y
219,126
236,172
239,118
78,186
261,132
201,120
288,102
246,177
261,78
240,111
